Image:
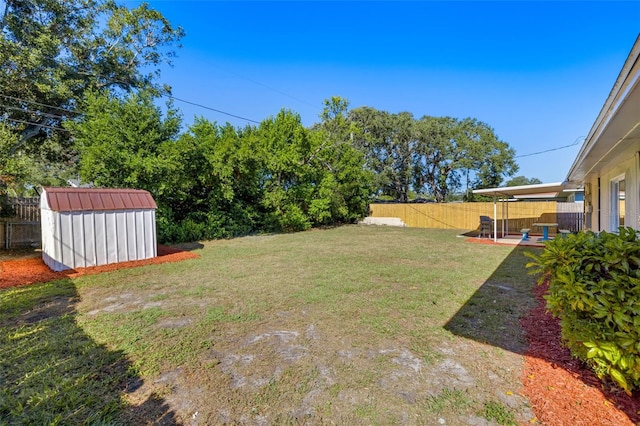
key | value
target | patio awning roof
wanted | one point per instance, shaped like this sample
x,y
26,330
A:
x,y
545,190
542,190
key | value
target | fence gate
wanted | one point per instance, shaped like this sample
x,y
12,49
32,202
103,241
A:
x,y
22,228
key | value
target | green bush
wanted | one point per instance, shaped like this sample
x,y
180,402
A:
x,y
199,226
594,289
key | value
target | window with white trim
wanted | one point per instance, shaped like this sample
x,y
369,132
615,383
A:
x,y
617,203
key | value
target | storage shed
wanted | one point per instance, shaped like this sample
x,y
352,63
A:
x,y
84,227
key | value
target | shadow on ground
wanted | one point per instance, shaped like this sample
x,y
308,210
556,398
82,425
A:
x,y
493,315
53,373
192,246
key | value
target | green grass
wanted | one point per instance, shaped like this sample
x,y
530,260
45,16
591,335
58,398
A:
x,y
51,371
500,413
344,325
447,400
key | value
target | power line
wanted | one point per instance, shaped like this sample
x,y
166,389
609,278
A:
x,y
97,76
39,104
30,111
209,108
15,120
552,149
77,112
274,90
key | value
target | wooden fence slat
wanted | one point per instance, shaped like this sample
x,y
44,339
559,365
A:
x,y
466,216
23,228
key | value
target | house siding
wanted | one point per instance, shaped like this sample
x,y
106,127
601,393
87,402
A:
x,y
601,197
611,150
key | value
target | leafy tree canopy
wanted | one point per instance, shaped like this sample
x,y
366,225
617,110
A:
x,y
53,52
119,140
432,155
522,180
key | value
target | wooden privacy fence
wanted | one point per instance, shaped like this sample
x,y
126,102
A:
x,y
22,229
466,216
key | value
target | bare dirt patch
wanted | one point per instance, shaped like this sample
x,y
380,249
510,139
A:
x,y
304,366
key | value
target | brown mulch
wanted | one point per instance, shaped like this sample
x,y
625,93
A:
x,y
561,389
33,270
490,242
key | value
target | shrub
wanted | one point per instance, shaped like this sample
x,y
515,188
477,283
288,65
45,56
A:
x,y
204,225
594,289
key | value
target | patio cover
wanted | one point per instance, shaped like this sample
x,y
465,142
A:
x,y
542,190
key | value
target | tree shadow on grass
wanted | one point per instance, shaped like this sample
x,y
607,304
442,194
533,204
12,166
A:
x,y
492,315
505,305
53,373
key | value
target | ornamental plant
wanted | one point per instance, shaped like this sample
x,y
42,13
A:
x,y
594,289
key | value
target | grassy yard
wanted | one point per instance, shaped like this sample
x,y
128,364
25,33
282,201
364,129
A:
x,y
353,325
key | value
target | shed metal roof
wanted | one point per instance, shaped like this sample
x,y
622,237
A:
x,y
97,199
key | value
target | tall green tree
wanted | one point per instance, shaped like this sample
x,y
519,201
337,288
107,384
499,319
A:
x,y
119,140
438,151
14,164
387,143
523,180
310,177
53,52
212,188
432,155
450,151
347,186
287,175
494,159
278,176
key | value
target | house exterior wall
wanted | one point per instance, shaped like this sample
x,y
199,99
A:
x,y
610,153
600,187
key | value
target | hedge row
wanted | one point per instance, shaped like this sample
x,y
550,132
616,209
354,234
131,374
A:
x,y
594,289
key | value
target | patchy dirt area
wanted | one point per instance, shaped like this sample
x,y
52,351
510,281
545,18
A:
x,y
333,383
255,360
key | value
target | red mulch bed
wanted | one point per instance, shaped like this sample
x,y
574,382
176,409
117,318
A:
x,y
490,242
561,390
33,270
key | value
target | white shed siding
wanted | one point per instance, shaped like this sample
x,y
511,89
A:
x,y
112,247
51,245
120,237
79,239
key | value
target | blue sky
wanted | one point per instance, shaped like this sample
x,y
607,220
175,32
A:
x,y
537,72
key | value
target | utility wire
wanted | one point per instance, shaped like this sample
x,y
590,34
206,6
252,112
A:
x,y
30,111
209,108
15,120
552,149
77,112
172,97
39,104
273,89
168,95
